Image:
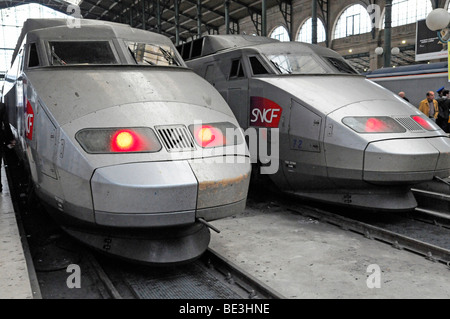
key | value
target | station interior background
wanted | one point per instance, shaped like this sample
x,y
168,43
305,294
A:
x,y
342,25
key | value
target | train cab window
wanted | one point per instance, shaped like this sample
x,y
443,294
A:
x,y
294,63
33,59
257,67
81,52
237,70
153,54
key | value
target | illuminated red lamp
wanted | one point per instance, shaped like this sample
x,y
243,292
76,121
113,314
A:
x,y
208,136
126,141
423,122
375,125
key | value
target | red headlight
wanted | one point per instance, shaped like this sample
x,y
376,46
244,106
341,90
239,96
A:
x,y
209,136
425,123
379,124
126,141
113,140
214,134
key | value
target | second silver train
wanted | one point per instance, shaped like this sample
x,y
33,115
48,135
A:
x,y
342,138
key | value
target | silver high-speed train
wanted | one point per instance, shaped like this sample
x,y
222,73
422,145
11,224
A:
x,y
123,142
342,139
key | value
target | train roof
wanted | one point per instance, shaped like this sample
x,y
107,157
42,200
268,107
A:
x,y
409,69
48,27
212,44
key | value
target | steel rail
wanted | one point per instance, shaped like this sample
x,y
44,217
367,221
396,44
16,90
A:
x,y
398,241
235,275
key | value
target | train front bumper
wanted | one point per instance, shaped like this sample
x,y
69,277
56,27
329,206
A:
x,y
172,193
407,160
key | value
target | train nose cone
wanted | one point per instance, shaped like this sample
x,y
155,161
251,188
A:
x,y
145,194
407,160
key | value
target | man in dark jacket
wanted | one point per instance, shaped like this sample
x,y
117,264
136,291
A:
x,y
6,136
443,105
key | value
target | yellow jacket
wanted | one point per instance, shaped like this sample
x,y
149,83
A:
x,y
425,107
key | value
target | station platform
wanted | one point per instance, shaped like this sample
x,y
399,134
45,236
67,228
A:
x,y
302,258
15,278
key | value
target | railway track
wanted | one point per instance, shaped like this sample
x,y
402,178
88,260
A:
x,y
434,201
210,277
425,231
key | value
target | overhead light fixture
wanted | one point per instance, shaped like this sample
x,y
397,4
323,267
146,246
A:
x,y
379,51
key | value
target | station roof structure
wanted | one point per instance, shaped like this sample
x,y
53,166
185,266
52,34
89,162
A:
x,y
143,13
194,18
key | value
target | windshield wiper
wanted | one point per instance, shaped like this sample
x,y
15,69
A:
x,y
149,62
169,58
54,55
280,68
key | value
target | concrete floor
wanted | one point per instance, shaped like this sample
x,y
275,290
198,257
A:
x,y
14,278
303,258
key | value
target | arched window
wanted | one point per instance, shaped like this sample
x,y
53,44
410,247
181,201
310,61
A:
x,y
12,20
354,20
280,33
305,33
409,11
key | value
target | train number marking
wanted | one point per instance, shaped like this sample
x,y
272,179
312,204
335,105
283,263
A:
x,y
297,144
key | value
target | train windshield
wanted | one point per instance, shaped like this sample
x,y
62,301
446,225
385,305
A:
x,y
153,54
292,63
81,52
296,63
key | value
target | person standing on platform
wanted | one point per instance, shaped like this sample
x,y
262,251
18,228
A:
x,y
403,96
6,135
429,106
440,92
443,105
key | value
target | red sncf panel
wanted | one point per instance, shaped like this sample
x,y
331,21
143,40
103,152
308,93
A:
x,y
264,112
29,121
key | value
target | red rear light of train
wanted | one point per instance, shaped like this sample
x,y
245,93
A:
x,y
209,136
379,124
215,134
127,141
375,125
424,122
118,140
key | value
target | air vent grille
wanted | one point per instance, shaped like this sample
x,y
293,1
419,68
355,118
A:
x,y
176,138
409,124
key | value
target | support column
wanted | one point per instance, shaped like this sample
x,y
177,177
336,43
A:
x,y
387,34
158,16
177,22
199,18
143,14
227,16
264,18
314,22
